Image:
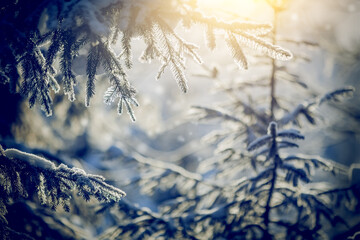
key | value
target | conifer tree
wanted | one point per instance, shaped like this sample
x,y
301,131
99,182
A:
x,y
69,27
225,200
41,41
254,187
279,181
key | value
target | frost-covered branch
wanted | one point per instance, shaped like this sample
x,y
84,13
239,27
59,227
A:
x,y
97,26
306,109
51,183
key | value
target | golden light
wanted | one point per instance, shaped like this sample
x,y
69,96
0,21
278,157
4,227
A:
x,y
225,8
278,4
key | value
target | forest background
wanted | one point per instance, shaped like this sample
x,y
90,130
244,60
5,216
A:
x,y
139,156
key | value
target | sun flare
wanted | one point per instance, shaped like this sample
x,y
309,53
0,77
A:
x,y
227,8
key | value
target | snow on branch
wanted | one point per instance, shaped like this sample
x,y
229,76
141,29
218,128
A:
x,y
275,139
29,158
306,108
259,142
98,24
334,95
210,113
290,133
51,183
236,51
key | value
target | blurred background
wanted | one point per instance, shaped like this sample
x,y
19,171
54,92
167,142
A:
x,y
324,37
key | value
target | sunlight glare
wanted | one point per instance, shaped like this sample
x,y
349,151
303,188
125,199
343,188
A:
x,y
224,8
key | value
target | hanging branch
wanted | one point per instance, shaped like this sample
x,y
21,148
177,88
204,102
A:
x,y
52,183
96,26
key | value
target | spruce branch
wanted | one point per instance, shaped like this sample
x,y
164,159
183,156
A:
x,y
51,183
120,86
105,23
210,37
273,51
36,78
93,61
171,56
236,51
210,113
306,108
234,26
68,53
334,95
259,142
